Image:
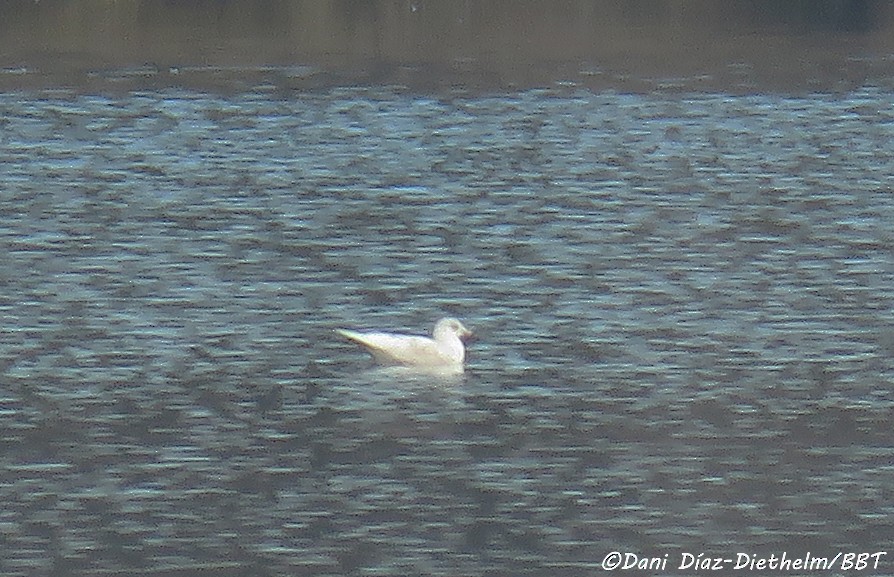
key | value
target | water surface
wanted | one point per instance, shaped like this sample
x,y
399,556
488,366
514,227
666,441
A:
x,y
683,304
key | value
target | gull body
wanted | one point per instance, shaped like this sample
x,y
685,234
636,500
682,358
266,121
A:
x,y
444,350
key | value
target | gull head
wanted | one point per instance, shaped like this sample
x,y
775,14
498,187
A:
x,y
449,328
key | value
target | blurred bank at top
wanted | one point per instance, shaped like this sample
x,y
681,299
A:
x,y
629,45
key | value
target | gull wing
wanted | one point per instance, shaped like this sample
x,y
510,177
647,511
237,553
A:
x,y
406,350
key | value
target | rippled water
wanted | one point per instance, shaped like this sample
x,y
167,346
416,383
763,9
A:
x,y
683,306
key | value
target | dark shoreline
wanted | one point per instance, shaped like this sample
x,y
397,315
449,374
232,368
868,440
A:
x,y
689,45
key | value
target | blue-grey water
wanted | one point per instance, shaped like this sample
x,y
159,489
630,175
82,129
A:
x,y
684,308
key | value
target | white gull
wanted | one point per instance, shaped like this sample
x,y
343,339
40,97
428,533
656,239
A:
x,y
444,352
